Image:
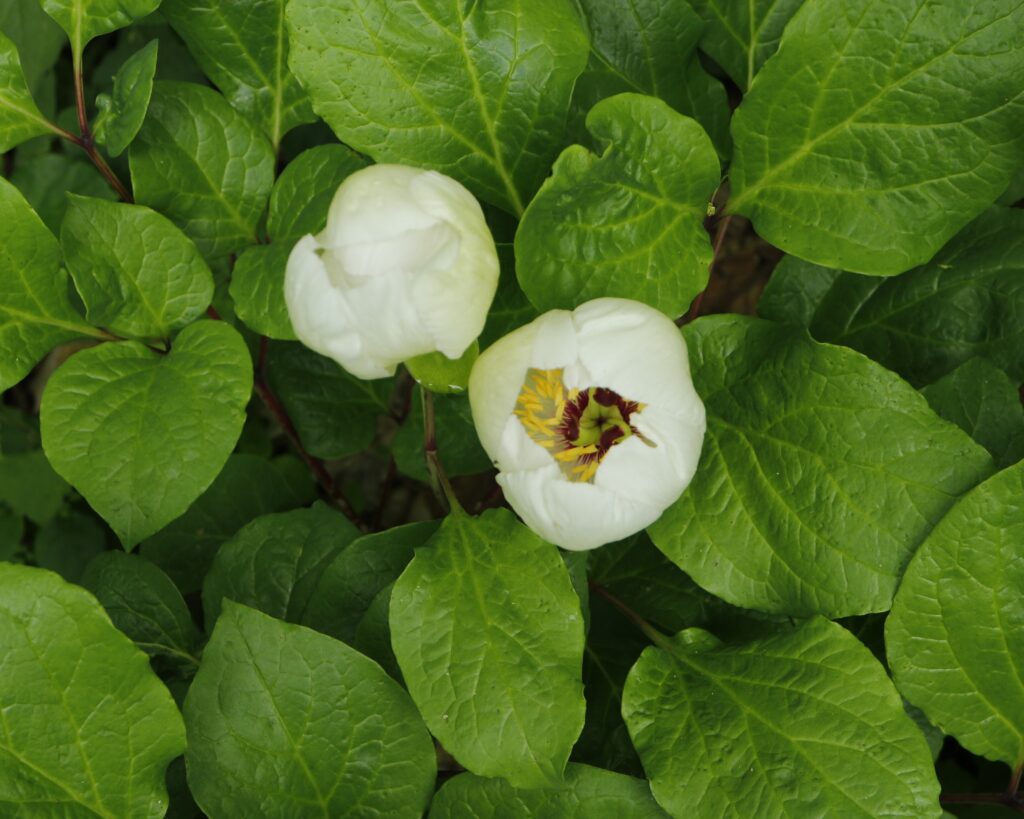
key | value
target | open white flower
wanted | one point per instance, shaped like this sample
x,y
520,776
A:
x,y
591,418
406,266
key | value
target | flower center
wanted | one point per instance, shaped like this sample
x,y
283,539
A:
x,y
578,427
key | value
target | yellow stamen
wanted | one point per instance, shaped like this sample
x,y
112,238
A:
x,y
578,442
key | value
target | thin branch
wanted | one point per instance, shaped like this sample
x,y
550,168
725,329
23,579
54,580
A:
x,y
1010,798
723,229
493,498
316,466
108,173
652,634
86,141
438,477
83,119
1010,801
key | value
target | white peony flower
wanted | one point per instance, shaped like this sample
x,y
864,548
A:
x,y
405,266
591,418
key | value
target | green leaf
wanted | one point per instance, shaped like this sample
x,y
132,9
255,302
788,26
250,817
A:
x,y
645,47
19,431
303,192
626,223
136,273
283,721
485,621
143,603
350,583
88,728
123,112
1014,191
35,314
257,290
879,130
643,578
510,309
479,91
640,576
83,20
805,723
298,205
334,413
638,47
741,36
980,399
584,792
954,638
30,487
373,634
274,563
20,117
46,180
140,435
968,301
649,47
243,48
439,374
613,646
796,289
204,165
68,543
458,445
38,39
247,487
12,529
175,64
820,476
707,101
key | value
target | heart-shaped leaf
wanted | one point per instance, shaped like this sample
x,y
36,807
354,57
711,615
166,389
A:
x,y
88,728
140,435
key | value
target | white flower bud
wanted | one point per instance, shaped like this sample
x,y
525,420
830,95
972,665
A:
x,y
406,266
591,418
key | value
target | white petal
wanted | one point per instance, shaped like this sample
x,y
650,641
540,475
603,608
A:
x,y
625,346
575,516
374,204
318,311
495,383
655,475
635,350
518,450
405,266
435,247
387,320
453,297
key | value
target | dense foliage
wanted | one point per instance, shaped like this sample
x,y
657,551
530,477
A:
x,y
238,581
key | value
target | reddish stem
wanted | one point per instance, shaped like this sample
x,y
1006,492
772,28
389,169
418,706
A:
x,y
649,631
438,477
86,140
1010,798
698,302
316,466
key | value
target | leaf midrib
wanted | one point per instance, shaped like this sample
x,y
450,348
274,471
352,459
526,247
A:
x,y
807,147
